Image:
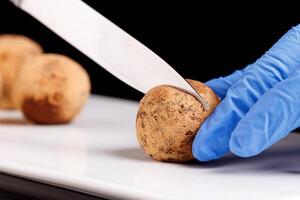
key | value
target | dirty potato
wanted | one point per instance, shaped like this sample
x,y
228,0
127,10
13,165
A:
x,y
15,51
168,120
52,89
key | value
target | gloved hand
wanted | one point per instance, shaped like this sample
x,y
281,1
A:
x,y
260,104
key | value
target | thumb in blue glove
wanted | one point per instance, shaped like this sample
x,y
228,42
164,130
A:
x,y
260,104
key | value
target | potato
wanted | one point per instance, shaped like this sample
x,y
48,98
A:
x,y
15,51
52,89
168,120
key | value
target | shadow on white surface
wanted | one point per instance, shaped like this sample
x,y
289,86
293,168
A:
x,y
283,157
129,153
12,121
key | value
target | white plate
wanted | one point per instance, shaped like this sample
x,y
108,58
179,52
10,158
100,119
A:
x,y
99,154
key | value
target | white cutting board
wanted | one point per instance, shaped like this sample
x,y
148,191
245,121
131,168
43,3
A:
x,y
99,154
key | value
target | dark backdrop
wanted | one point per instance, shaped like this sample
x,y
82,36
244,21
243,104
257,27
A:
x,y
199,41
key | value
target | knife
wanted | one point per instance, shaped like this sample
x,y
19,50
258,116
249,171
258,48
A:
x,y
106,44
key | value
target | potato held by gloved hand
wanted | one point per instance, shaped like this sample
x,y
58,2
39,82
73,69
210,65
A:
x,y
52,89
168,120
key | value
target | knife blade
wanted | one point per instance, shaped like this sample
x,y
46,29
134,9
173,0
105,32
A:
x,y
106,44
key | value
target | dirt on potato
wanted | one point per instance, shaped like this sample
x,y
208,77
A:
x,y
168,120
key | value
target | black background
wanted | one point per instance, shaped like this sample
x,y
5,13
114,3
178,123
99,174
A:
x,y
200,41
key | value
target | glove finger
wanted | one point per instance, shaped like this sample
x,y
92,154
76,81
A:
x,y
274,115
222,84
212,140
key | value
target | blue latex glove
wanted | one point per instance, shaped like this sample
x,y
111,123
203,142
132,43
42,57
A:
x,y
260,104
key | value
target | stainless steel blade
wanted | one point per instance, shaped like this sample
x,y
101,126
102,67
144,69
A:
x,y
106,44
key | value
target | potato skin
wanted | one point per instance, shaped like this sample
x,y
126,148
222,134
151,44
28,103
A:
x,y
15,51
168,120
52,89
